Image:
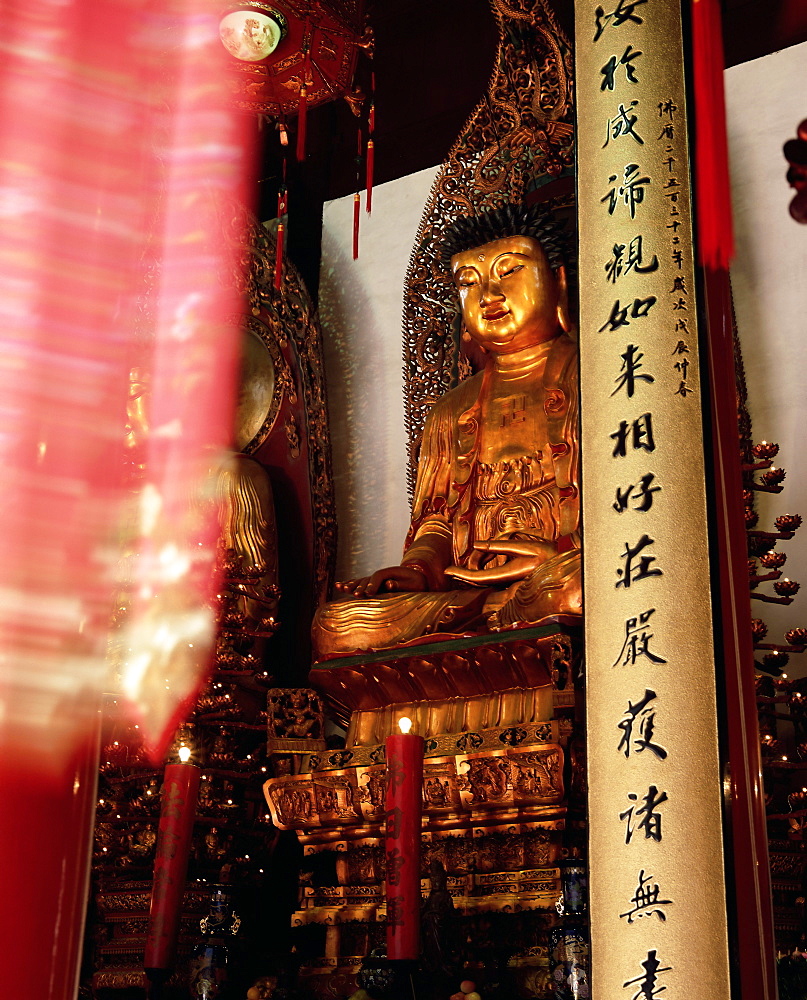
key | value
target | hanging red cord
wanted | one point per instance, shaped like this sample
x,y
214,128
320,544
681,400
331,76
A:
x,y
302,107
370,168
371,145
282,209
356,211
357,196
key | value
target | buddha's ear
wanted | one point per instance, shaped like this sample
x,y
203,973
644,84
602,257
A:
x,y
564,319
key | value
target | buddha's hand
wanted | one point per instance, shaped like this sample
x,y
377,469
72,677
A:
x,y
523,557
386,581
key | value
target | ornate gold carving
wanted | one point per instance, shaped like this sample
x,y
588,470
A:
x,y
502,780
279,318
518,138
554,731
292,436
462,685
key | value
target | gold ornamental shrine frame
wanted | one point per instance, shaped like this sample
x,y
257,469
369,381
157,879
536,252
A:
x,y
657,882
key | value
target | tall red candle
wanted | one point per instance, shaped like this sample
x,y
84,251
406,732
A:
x,y
180,790
404,808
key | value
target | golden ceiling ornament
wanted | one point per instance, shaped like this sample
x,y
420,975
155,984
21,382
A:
x,y
519,139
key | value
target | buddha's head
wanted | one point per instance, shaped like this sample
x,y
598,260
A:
x,y
511,282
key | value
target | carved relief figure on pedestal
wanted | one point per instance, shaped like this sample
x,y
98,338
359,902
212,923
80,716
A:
x,y
494,539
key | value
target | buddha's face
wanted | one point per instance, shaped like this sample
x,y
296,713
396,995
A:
x,y
510,296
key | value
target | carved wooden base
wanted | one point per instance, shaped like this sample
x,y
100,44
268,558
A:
x,y
457,684
494,799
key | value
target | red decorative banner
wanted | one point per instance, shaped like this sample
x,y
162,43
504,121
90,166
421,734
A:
x,y
116,137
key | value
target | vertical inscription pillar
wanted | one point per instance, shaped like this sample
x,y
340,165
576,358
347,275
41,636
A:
x,y
658,905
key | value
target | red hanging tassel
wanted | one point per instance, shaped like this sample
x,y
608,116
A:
x,y
302,109
356,211
282,209
370,167
371,144
712,187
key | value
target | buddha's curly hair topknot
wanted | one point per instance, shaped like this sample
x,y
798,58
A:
x,y
537,221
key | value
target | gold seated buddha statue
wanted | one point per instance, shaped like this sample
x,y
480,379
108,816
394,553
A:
x,y
494,539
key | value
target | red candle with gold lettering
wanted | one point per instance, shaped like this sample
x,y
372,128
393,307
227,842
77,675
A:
x,y
404,808
177,813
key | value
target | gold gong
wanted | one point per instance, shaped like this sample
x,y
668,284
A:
x,y
258,395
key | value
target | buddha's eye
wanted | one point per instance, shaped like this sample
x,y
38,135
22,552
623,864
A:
x,y
466,281
511,270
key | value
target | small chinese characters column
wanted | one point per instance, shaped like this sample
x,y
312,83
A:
x,y
657,886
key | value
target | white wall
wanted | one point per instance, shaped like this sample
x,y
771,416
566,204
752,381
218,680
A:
x,y
361,307
766,99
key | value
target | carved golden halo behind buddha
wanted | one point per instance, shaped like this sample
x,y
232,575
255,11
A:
x,y
518,139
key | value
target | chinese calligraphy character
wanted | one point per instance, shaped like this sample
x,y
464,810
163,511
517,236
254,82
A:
x,y
394,865
633,572
645,901
682,366
667,132
637,641
631,363
173,802
647,983
395,774
667,108
641,432
677,257
622,123
679,285
683,389
619,265
681,347
395,912
631,190
650,822
643,493
625,11
646,717
619,313
394,823
609,69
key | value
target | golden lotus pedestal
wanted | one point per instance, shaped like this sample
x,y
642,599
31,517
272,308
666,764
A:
x,y
502,797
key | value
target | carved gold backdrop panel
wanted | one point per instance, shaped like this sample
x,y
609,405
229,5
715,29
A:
x,y
658,907
519,138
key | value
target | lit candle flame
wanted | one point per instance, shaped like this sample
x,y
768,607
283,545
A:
x,y
405,724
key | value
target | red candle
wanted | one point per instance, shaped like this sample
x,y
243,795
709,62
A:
x,y
180,789
404,807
